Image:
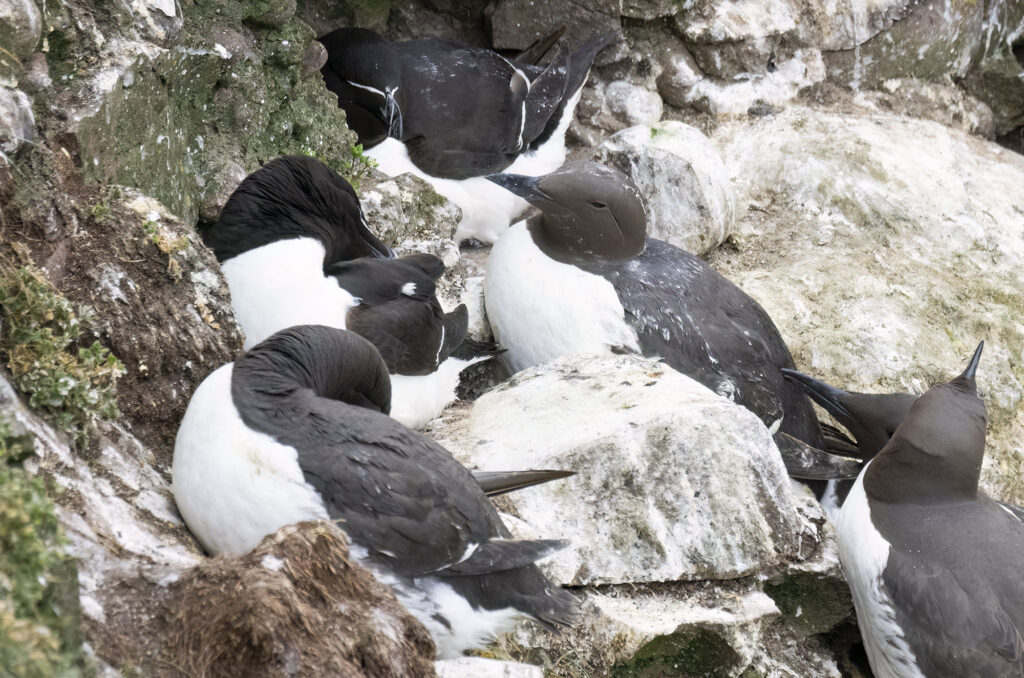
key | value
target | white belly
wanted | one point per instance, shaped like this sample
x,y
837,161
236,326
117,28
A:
x,y
234,486
282,284
540,309
417,400
863,553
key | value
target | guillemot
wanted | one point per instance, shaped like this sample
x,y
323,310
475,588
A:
x,y
296,429
295,249
933,563
582,277
452,114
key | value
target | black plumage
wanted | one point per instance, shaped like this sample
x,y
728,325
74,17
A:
x,y
396,493
294,196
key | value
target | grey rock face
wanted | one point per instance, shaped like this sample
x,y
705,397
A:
x,y
21,26
683,180
478,667
17,123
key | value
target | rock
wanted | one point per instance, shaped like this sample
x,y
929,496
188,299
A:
x,y
272,13
631,104
679,73
884,249
478,667
17,124
21,26
674,482
516,24
683,180
223,184
406,213
36,77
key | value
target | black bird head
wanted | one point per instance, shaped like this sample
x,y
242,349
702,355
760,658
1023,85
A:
x,y
935,455
589,212
365,71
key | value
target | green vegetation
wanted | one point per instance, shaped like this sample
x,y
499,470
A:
x,y
39,327
39,612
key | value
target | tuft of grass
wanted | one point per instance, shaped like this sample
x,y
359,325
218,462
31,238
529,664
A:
x,y
40,325
39,616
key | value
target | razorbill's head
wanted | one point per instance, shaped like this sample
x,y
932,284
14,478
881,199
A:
x,y
365,71
935,455
294,196
589,212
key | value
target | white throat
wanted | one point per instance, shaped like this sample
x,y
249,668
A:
x,y
541,309
283,284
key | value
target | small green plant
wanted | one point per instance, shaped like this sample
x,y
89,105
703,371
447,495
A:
x,y
38,589
163,242
39,327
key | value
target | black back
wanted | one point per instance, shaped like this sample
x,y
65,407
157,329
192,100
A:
x,y
702,325
396,493
294,196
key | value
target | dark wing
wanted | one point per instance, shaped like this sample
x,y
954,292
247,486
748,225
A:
x,y
462,108
547,92
395,492
707,328
955,625
408,332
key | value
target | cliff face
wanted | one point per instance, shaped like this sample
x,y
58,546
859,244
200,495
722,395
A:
x,y
836,160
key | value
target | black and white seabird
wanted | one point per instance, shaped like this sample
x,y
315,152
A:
x,y
295,249
452,114
296,429
582,277
933,563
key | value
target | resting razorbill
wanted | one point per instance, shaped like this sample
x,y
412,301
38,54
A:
x,y
452,114
296,429
934,564
582,277
295,217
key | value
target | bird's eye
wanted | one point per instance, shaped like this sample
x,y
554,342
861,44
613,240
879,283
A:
x,y
598,205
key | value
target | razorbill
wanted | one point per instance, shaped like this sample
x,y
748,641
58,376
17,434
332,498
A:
x,y
582,277
295,249
933,563
452,114
296,429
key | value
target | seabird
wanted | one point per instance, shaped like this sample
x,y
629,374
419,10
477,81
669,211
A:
x,y
295,249
296,429
452,114
583,277
933,563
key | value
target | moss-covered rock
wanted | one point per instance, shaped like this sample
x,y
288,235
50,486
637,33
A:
x,y
811,603
688,653
39,613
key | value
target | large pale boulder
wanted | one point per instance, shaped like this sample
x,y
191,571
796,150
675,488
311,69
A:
x,y
478,667
674,481
683,180
885,248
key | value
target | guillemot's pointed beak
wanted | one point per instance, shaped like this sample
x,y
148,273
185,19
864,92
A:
x,y
824,394
972,367
809,463
525,187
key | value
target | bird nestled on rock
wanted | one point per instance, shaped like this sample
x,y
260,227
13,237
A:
x,y
296,429
452,114
582,277
933,563
295,249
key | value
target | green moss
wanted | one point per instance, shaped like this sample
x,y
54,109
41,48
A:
x,y
39,614
40,326
687,653
811,603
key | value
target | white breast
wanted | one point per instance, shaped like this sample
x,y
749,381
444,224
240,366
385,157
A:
x,y
233,485
417,400
282,284
863,552
541,309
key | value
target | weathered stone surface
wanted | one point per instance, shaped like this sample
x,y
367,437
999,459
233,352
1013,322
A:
x,y
674,482
683,180
36,77
17,123
478,667
516,24
223,183
885,248
21,26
